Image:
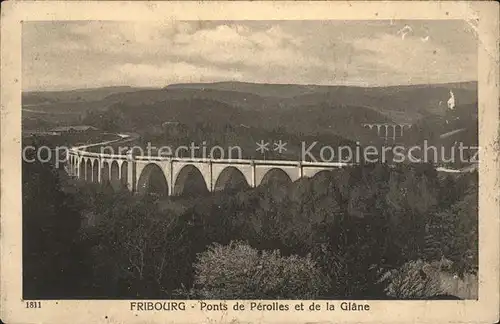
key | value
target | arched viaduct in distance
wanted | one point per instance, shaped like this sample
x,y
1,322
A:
x,y
175,176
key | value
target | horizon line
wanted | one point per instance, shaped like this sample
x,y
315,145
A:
x,y
248,82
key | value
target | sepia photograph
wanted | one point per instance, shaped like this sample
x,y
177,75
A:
x,y
220,160
198,160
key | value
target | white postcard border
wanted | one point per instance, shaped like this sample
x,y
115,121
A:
x,y
83,311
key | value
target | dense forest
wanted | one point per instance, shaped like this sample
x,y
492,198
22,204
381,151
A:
x,y
368,232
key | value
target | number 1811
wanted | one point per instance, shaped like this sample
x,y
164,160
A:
x,y
33,304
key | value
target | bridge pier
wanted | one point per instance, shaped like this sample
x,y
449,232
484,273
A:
x,y
131,176
252,182
99,170
210,176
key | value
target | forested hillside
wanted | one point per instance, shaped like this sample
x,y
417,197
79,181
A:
x,y
354,228
338,110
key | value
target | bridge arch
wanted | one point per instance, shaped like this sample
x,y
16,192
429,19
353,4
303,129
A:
x,y
231,178
105,176
88,170
114,175
95,171
74,165
323,174
190,180
275,177
311,172
124,174
81,171
152,181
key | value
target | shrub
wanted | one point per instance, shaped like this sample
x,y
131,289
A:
x,y
414,280
238,271
348,273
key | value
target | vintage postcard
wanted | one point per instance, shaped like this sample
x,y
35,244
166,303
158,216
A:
x,y
250,162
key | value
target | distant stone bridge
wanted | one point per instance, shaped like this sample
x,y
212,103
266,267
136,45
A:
x,y
174,176
384,130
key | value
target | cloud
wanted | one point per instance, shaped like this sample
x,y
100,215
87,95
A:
x,y
237,44
169,72
74,54
411,60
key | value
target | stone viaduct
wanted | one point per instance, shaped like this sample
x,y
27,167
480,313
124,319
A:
x,y
173,176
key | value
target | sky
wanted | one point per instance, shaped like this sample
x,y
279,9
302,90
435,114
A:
x,y
87,54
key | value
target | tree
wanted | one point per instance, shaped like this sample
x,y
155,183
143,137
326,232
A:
x,y
453,234
51,219
238,271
